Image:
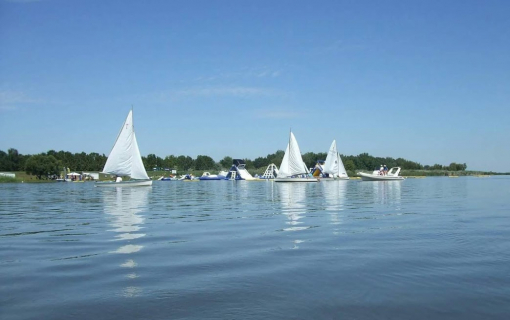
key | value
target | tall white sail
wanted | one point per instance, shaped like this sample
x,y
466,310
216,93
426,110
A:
x,y
137,167
125,158
292,163
333,164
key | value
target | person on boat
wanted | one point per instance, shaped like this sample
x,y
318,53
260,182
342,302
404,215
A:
x,y
381,170
118,179
385,170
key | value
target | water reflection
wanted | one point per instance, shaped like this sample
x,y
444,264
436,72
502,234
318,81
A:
x,y
293,200
124,205
384,192
293,205
334,196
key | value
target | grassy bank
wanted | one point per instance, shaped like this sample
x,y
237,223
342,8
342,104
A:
x,y
22,176
7,179
154,175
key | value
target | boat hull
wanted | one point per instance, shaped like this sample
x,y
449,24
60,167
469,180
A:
x,y
130,183
296,180
371,177
333,179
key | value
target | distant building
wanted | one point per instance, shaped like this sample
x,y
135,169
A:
x,y
8,174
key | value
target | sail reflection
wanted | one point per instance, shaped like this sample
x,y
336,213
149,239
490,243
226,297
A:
x,y
334,195
124,206
293,201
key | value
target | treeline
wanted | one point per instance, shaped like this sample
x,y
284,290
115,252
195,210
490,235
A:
x,y
12,160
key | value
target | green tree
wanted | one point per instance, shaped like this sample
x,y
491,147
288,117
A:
x,y
260,162
310,159
42,165
248,164
152,161
226,162
349,165
204,163
276,157
184,162
452,166
170,162
4,162
437,167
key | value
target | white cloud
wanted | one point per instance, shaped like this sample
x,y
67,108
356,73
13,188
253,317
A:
x,y
21,1
263,72
14,97
174,95
277,114
7,108
236,91
336,46
275,74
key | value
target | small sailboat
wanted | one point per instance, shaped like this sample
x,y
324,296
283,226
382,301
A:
x,y
293,169
333,166
125,159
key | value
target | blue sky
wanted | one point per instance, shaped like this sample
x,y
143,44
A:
x,y
428,81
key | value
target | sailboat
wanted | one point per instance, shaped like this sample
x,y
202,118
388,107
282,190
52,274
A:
x,y
333,166
293,169
125,159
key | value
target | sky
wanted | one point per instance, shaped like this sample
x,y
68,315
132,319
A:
x,y
428,81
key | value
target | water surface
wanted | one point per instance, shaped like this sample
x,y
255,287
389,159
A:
x,y
433,248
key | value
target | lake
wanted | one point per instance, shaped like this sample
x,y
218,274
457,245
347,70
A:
x,y
433,248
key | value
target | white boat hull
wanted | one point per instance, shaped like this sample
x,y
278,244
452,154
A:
x,y
311,179
130,183
372,177
333,179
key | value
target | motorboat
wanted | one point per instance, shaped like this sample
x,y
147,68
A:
x,y
377,175
207,176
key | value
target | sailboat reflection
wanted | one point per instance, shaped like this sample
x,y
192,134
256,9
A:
x,y
334,195
293,204
293,201
124,205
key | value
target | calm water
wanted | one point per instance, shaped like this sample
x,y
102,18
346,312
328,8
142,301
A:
x,y
434,248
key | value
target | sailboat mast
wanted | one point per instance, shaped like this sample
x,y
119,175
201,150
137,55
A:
x,y
290,146
132,119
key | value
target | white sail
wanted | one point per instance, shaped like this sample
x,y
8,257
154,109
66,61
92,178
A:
x,y
333,164
292,163
125,158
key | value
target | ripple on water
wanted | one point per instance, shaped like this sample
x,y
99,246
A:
x,y
419,248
